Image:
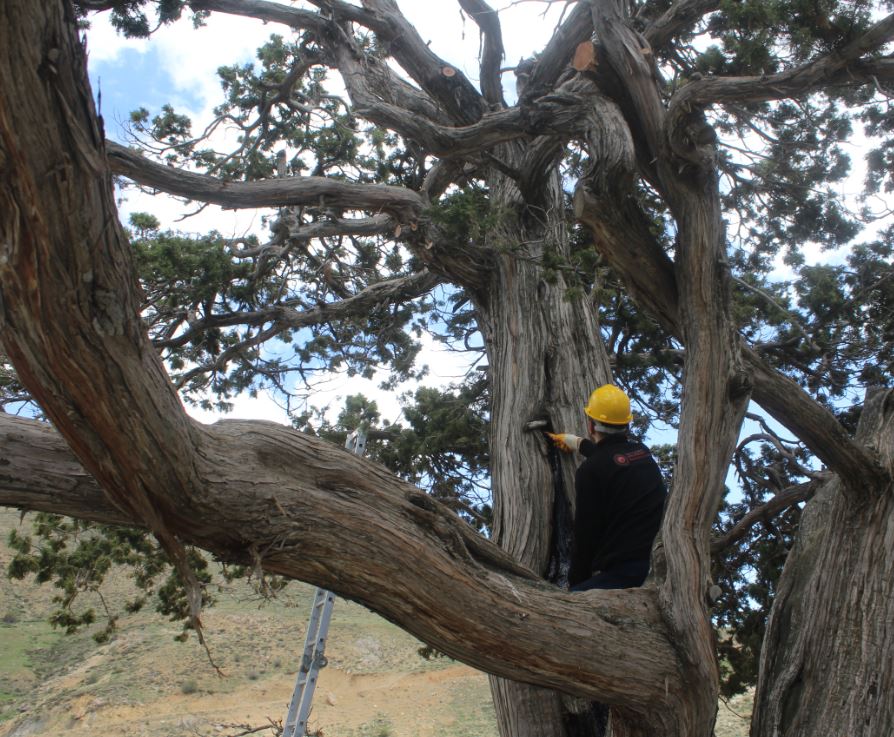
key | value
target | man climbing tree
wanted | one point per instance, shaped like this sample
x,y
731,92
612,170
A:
x,y
628,207
619,497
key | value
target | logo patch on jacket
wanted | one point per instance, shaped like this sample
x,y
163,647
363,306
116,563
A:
x,y
625,459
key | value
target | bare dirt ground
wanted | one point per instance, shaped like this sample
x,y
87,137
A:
x,y
397,704
144,684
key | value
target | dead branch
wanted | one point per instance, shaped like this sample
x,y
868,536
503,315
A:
x,y
773,508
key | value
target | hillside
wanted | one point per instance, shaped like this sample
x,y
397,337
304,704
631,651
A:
x,y
145,684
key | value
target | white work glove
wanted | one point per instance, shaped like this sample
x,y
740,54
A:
x,y
566,442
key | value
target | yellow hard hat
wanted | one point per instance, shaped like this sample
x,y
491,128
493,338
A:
x,y
609,405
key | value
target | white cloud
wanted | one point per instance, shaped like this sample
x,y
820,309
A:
x,y
105,44
171,212
192,56
189,56
245,407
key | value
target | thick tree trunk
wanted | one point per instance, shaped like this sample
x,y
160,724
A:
x,y
545,356
827,665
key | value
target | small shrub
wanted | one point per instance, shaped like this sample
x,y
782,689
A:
x,y
379,727
188,687
10,618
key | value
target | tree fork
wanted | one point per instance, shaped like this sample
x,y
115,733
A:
x,y
525,317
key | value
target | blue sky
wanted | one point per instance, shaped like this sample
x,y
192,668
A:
x,y
132,80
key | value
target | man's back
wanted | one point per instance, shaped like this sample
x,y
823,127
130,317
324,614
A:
x,y
620,499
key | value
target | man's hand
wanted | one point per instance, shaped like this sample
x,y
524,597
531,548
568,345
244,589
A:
x,y
566,442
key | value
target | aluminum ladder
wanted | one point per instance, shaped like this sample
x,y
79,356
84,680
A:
x,y
295,724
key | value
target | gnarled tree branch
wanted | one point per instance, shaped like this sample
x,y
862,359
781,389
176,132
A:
x,y
317,513
446,84
403,204
630,57
779,503
492,53
556,55
387,86
374,225
283,317
624,238
831,69
267,11
678,17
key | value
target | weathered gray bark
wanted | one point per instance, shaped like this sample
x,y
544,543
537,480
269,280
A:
x,y
528,324
827,664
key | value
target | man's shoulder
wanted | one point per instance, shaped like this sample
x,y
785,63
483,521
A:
x,y
602,454
621,453
595,458
630,453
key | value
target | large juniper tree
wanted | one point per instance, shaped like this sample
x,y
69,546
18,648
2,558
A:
x,y
623,213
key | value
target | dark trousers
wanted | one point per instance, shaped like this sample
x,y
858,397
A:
x,y
593,721
627,575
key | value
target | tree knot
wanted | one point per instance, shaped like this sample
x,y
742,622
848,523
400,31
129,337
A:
x,y
740,385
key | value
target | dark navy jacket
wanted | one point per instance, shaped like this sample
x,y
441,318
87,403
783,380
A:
x,y
620,500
